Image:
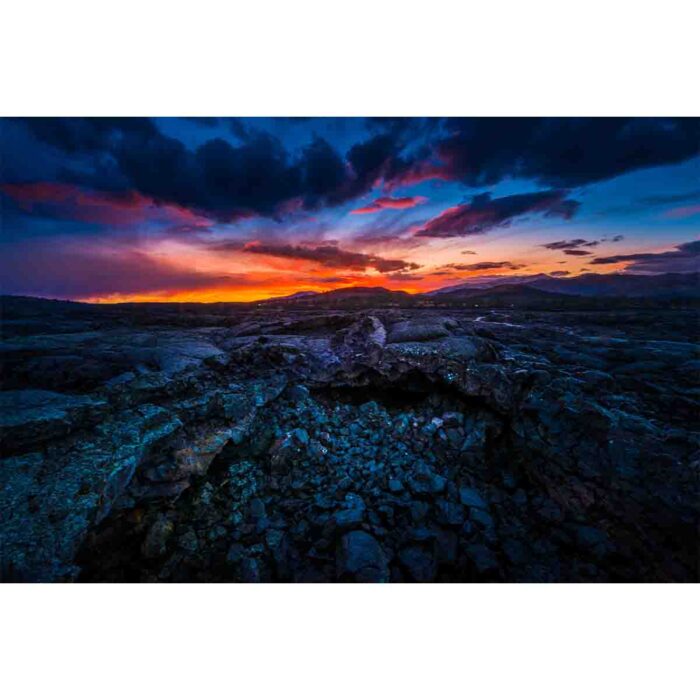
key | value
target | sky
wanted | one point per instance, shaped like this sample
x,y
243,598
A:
x,y
240,209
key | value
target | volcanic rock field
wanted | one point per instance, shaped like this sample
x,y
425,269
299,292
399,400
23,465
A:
x,y
237,443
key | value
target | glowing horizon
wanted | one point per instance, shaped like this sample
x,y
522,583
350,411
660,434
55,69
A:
x,y
115,210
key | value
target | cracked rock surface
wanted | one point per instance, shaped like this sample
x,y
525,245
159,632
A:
x,y
229,443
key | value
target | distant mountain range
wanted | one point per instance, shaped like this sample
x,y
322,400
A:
x,y
543,292
502,293
517,290
590,285
487,281
615,285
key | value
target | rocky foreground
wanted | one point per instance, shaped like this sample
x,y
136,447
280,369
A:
x,y
228,443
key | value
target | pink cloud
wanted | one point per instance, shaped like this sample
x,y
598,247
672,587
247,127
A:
x,y
105,208
683,212
390,203
484,213
422,171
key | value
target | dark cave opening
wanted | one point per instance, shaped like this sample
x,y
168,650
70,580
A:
x,y
408,390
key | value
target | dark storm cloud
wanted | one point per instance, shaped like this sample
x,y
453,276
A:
x,y
559,152
574,243
395,125
84,135
206,122
326,255
484,214
218,179
238,128
256,175
685,258
372,161
324,174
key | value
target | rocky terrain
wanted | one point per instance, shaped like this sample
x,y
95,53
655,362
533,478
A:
x,y
233,442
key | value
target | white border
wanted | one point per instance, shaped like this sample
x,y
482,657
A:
x,y
360,58
344,641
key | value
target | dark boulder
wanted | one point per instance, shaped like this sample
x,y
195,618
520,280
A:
x,y
360,558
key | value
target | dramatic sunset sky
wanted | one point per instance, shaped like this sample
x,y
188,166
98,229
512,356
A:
x,y
237,209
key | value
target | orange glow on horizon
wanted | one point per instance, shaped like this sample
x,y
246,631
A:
x,y
265,291
241,276
219,294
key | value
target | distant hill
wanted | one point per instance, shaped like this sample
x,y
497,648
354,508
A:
x,y
487,281
503,296
503,291
20,306
354,292
686,285
616,285
292,297
347,297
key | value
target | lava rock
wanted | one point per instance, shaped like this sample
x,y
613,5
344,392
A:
x,y
418,563
154,544
360,558
472,498
483,558
425,481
